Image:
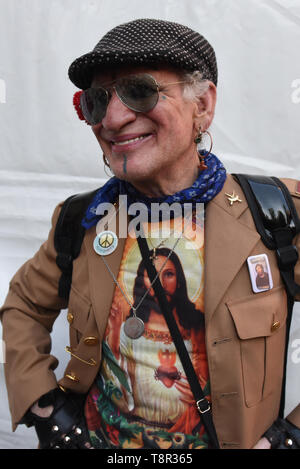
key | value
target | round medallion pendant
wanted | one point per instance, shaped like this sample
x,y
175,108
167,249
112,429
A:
x,y
134,327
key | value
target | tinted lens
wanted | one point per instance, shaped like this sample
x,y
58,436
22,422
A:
x,y
138,92
93,104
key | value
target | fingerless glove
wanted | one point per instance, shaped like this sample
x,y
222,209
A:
x,y
283,435
66,426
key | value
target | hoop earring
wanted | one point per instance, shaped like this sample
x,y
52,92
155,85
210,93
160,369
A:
x,y
198,139
106,165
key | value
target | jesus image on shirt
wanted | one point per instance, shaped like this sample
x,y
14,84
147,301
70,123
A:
x,y
142,398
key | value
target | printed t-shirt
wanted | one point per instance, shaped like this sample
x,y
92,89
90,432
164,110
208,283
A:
x,y
141,397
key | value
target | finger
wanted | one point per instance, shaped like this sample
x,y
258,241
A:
x,y
185,391
88,445
182,376
263,443
187,401
182,385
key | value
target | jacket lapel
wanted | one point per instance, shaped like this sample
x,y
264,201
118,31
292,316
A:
x,y
228,243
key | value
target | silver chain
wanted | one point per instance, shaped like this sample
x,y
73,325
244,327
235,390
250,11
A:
x,y
156,276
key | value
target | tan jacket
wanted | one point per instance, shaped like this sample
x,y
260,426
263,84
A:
x,y
245,353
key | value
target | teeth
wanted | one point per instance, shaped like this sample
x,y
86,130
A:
x,y
125,142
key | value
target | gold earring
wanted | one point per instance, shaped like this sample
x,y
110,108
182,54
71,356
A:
x,y
198,139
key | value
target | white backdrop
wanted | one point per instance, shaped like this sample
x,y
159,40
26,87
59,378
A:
x,y
47,154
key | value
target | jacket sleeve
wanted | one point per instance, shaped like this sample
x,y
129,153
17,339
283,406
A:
x,y
28,314
292,185
294,416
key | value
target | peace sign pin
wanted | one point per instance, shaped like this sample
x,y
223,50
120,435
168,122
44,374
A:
x,y
105,243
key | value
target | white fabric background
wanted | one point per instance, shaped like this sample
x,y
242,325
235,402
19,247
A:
x,y
47,154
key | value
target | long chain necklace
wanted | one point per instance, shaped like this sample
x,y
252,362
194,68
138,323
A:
x,y
134,326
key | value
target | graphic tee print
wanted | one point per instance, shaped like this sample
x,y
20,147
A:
x,y
141,397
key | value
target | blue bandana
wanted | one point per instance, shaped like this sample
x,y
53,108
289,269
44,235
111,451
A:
x,y
208,184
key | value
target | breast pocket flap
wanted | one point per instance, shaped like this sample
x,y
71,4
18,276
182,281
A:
x,y
260,315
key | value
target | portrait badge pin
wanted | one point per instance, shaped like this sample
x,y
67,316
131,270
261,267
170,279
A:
x,y
260,273
105,243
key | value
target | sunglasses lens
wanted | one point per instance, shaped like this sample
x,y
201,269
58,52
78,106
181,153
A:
x,y
138,92
93,104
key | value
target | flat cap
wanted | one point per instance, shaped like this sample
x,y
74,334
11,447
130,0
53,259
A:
x,y
147,42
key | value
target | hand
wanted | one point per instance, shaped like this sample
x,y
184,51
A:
x,y
263,443
282,434
41,411
115,322
184,388
59,421
115,318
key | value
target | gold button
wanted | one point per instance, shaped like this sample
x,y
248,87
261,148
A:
x,y
90,340
63,388
275,326
70,318
72,377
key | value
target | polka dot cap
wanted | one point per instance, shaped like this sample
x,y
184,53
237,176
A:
x,y
146,42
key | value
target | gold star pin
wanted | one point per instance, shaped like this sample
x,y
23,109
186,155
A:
x,y
233,198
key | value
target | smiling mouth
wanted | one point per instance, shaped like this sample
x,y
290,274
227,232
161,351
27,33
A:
x,y
130,140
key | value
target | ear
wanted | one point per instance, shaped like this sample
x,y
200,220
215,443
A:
x,y
205,110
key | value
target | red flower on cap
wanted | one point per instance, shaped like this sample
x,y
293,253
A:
x,y
76,103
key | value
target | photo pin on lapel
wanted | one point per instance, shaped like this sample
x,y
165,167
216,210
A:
x,y
260,273
105,243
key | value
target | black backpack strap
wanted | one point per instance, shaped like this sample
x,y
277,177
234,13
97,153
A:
x,y
202,404
277,222
68,237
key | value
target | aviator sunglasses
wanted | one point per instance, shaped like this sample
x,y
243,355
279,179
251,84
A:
x,y
139,93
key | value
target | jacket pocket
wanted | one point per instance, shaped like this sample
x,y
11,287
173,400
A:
x,y
78,314
260,325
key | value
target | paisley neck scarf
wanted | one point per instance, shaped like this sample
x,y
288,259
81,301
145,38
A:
x,y
208,184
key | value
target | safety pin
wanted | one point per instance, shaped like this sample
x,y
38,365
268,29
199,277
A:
x,y
91,362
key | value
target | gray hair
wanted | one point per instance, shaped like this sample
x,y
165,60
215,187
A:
x,y
195,87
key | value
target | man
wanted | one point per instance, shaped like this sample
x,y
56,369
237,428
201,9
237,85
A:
x,y
149,95
262,277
